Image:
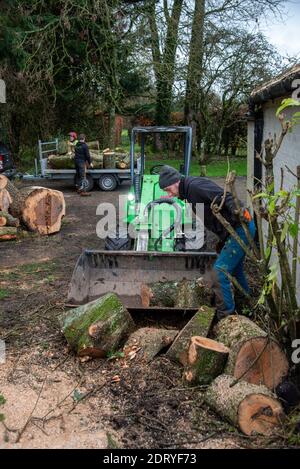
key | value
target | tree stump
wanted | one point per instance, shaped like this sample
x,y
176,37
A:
x,y
8,233
206,359
109,160
40,209
253,356
98,327
199,325
252,408
149,341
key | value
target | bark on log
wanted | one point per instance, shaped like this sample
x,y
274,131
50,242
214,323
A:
x,y
149,341
11,188
109,160
206,359
67,161
9,219
5,200
40,209
184,294
249,345
7,234
98,327
252,408
199,325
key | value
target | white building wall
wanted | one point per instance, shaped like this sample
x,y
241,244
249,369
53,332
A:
x,y
288,155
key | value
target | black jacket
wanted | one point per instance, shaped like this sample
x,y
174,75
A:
x,y
82,152
202,190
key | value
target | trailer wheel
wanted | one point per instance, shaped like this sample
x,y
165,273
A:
x,y
119,241
88,185
107,182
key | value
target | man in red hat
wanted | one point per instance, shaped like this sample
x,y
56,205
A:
x,y
72,143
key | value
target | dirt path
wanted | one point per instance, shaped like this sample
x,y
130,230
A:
x,y
56,400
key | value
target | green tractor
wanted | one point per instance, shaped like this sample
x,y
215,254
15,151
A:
x,y
156,242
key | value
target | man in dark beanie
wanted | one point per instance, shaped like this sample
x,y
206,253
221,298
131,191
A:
x,y
200,190
82,160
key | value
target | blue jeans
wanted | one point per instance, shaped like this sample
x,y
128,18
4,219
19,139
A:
x,y
231,260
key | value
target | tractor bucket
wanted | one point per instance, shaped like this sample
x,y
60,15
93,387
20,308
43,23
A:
x,y
123,272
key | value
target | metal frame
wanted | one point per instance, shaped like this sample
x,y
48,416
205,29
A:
x,y
187,131
46,152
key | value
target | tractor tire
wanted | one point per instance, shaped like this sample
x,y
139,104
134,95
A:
x,y
119,241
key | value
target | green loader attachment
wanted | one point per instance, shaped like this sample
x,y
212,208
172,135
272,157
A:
x,y
157,241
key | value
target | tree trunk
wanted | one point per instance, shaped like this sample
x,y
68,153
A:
x,y
253,357
98,327
164,64
199,325
148,342
8,220
8,233
206,360
40,209
195,70
251,408
183,294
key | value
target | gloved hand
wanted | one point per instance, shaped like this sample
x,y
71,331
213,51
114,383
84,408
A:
x,y
246,215
219,246
91,165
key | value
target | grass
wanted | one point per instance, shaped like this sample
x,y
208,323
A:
x,y
4,293
215,168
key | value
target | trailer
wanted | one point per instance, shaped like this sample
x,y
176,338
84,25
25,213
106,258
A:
x,y
105,179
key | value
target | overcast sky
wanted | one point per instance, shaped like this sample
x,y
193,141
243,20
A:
x,y
285,32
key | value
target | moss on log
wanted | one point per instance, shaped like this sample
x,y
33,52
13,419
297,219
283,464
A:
x,y
199,325
252,408
254,357
206,359
9,219
98,327
8,233
183,294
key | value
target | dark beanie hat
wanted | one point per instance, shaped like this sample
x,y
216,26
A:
x,y
168,176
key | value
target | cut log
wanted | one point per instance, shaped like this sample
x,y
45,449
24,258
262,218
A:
x,y
3,181
67,161
254,357
109,160
206,359
122,165
183,294
40,209
148,342
8,233
159,294
199,325
252,408
98,327
5,200
9,220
